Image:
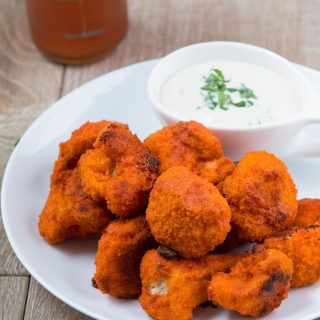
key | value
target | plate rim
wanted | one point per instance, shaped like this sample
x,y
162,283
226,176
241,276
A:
x,y
51,109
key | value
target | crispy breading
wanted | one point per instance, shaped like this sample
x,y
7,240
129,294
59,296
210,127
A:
x,y
80,141
200,206
70,213
308,212
303,247
187,213
121,170
261,195
96,168
119,254
191,145
256,285
172,288
215,171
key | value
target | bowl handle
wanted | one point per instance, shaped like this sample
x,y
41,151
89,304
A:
x,y
304,145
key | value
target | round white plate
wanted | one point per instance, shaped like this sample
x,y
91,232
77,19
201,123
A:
x,y
66,269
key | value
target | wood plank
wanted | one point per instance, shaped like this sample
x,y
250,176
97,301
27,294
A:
x,y
10,265
157,27
28,84
13,293
43,305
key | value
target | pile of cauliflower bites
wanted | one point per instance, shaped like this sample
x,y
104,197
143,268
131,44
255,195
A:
x,y
170,209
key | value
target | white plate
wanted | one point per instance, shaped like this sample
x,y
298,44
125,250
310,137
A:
x,y
66,269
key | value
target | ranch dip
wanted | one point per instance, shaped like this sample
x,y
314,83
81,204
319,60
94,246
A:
x,y
271,97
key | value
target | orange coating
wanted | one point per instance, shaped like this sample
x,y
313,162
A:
x,y
70,213
187,213
80,141
171,289
119,254
215,171
121,170
262,196
303,247
308,212
256,285
191,145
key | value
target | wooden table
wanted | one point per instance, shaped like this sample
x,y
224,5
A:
x,y
29,83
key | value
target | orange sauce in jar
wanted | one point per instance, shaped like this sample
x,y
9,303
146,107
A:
x,y
77,31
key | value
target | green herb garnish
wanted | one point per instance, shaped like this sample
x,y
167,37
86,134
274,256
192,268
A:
x,y
16,143
216,92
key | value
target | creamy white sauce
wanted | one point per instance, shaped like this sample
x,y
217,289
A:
x,y
276,99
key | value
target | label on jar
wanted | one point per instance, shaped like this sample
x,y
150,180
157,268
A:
x,y
84,35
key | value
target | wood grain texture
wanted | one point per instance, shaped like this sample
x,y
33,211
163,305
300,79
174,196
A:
x,y
29,83
157,27
43,305
9,264
13,293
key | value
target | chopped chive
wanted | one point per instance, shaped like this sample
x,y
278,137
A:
x,y
216,93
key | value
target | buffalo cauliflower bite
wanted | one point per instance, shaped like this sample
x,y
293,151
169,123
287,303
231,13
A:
x,y
191,145
172,286
303,247
261,195
80,141
119,254
120,169
69,212
308,212
256,285
187,213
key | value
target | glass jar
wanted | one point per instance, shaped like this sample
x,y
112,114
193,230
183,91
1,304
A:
x,y
77,31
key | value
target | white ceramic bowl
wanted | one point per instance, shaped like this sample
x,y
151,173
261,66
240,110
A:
x,y
285,137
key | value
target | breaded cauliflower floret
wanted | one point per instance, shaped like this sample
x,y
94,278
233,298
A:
x,y
121,170
303,247
187,213
191,145
69,213
119,254
80,141
256,285
261,195
308,212
172,287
